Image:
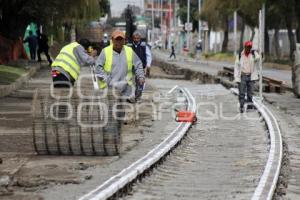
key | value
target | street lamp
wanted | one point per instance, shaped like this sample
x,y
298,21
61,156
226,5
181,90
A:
x,y
152,35
188,23
161,13
199,22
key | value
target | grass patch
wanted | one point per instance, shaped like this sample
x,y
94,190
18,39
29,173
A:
x,y
9,74
282,61
229,57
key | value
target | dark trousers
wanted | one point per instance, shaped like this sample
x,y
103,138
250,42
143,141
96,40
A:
x,y
138,89
245,87
61,81
32,51
46,52
173,54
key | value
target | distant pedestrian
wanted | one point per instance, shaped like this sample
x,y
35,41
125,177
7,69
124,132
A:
x,y
43,46
32,44
172,51
198,49
105,41
246,73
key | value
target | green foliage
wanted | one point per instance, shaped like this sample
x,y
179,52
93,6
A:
x,y
182,12
229,57
54,13
9,74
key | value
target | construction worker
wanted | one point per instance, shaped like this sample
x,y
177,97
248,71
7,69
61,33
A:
x,y
116,64
246,73
144,53
66,66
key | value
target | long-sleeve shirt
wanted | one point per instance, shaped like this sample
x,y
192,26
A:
x,y
246,65
118,76
148,53
148,57
83,57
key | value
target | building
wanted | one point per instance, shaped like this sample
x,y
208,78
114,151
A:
x,y
162,10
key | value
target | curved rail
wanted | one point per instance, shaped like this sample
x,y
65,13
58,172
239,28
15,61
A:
x,y
268,181
131,173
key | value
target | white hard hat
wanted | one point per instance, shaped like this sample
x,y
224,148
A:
x,y
105,35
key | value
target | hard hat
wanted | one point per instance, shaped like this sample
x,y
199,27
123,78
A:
x,y
105,35
248,43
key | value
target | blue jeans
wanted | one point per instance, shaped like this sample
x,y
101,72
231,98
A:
x,y
245,86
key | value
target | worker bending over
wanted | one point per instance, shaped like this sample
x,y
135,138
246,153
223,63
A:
x,y
116,64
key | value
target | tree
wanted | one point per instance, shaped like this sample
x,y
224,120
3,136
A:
x,y
53,13
129,17
218,13
297,11
182,12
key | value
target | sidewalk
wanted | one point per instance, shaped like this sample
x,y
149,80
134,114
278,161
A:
x,y
215,66
25,73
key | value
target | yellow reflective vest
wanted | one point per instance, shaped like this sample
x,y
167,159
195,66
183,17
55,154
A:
x,y
68,61
109,60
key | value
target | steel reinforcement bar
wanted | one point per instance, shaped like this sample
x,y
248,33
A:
x,y
117,183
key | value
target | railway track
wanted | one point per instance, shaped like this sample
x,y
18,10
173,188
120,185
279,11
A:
x,y
216,159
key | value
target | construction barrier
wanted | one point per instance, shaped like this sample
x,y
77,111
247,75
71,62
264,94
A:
x,y
11,50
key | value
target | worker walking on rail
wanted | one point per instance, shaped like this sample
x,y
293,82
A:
x,y
246,73
116,64
66,66
144,53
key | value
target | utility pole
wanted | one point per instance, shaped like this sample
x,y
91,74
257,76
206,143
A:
x,y
235,32
161,13
170,22
261,46
152,35
175,13
143,6
199,22
188,22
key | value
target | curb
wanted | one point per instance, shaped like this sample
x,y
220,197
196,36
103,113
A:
x,y
173,69
6,90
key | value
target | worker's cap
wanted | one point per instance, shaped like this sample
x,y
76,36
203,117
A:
x,y
105,35
118,33
248,43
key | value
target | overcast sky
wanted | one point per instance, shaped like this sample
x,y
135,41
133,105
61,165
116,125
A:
x,y
117,6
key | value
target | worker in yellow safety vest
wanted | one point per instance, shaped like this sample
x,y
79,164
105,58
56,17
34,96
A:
x,y
66,66
117,63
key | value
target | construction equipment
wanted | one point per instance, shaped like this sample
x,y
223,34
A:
x,y
186,116
77,121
